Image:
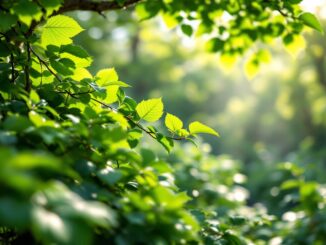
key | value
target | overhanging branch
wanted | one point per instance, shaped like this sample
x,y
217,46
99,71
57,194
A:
x,y
98,6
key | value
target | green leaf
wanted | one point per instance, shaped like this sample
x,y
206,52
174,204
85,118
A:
x,y
50,5
59,30
215,45
64,66
150,110
182,132
16,123
33,160
167,143
237,220
14,212
74,50
148,156
310,20
187,29
106,75
173,123
134,137
169,20
197,127
290,184
294,44
7,138
147,9
109,175
111,94
40,121
27,11
251,67
118,83
7,20
4,50
109,77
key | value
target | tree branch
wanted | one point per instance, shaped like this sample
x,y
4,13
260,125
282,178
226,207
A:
x,y
99,6
28,84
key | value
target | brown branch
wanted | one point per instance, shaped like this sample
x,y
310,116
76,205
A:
x,y
28,84
86,5
99,6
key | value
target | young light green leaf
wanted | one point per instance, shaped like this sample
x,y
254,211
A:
x,y
106,75
173,122
150,110
310,20
59,30
109,77
295,44
182,132
111,94
197,127
169,20
118,83
251,68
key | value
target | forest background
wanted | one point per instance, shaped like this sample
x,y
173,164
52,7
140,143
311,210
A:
x,y
262,181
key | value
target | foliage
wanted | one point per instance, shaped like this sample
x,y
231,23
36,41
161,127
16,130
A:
x,y
75,170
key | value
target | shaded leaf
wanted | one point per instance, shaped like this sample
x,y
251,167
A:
x,y
167,143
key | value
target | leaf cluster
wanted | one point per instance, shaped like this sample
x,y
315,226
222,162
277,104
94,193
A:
x,y
75,171
73,166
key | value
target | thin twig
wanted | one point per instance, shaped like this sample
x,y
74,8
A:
x,y
137,124
12,68
46,65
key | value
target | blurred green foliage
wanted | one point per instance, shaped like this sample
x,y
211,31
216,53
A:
x,y
287,100
79,160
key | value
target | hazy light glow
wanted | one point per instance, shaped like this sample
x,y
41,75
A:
x,y
315,6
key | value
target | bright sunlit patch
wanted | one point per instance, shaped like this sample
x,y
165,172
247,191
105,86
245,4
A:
x,y
239,194
236,106
84,15
311,5
51,222
276,241
239,178
206,148
315,6
195,193
289,216
119,34
95,33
